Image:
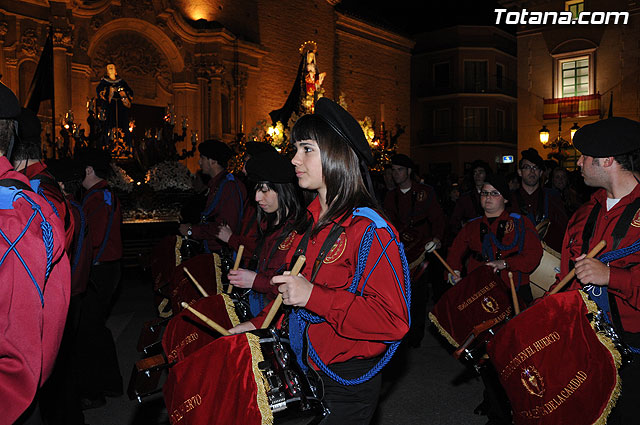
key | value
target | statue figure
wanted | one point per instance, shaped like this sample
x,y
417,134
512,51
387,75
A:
x,y
115,97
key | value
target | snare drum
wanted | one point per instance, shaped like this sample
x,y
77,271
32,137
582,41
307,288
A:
x,y
545,274
249,379
555,364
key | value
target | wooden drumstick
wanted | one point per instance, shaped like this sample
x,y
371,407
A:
x,y
236,265
596,249
213,325
278,301
431,247
516,304
195,283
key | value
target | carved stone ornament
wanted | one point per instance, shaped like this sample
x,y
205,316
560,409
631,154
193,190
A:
x,y
96,22
62,37
133,55
4,28
139,7
29,42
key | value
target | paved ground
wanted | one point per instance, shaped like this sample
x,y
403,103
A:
x,y
424,385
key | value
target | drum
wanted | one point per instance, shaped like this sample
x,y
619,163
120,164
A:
x,y
249,379
207,271
556,364
480,297
545,274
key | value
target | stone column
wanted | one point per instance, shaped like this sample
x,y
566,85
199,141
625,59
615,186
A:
x,y
61,70
215,121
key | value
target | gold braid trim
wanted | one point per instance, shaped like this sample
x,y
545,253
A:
x,y
231,310
442,331
592,307
177,250
218,271
261,383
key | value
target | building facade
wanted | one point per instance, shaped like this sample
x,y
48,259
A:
x,y
463,98
571,75
224,64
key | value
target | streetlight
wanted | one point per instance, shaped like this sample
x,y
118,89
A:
x,y
559,143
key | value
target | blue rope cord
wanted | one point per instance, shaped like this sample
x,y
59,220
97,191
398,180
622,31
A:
x,y
47,237
298,317
41,193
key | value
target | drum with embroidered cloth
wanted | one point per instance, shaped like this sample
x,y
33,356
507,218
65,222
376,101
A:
x,y
205,268
545,274
185,333
250,379
479,297
556,363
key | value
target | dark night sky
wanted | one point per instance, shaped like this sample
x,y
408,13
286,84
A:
x,y
415,16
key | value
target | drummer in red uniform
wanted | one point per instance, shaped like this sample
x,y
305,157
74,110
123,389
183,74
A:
x,y
507,242
610,157
347,312
27,159
33,303
280,205
225,200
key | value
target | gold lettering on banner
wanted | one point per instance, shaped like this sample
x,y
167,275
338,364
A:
x,y
184,408
553,404
523,355
173,355
477,295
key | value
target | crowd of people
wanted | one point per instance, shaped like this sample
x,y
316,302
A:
x,y
367,276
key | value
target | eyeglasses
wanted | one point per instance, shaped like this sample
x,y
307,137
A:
x,y
493,193
530,167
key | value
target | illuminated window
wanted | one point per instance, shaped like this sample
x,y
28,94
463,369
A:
x,y
574,77
575,7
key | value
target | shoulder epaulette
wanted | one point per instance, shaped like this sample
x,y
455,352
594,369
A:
x,y
371,215
515,215
474,219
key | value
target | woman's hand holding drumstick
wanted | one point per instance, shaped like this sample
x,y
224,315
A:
x,y
286,282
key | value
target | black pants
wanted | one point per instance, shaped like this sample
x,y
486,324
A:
x,y
351,404
59,400
627,409
31,416
96,365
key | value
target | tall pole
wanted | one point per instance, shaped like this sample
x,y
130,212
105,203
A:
x,y
53,97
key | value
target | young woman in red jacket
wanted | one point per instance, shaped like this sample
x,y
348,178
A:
x,y
351,300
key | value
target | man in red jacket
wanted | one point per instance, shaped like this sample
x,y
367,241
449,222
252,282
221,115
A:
x,y
99,373
27,159
610,155
34,294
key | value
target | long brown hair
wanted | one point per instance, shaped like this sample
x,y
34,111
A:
x,y
340,169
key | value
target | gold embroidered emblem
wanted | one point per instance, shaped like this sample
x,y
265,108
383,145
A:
x,y
489,304
286,244
636,219
532,381
336,250
508,228
420,196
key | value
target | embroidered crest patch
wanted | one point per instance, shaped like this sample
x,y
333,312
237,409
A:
x,y
336,250
286,244
508,228
421,196
636,219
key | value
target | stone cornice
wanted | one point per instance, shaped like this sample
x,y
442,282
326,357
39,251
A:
x,y
357,28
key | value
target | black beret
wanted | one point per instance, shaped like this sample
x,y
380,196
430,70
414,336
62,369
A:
x,y
478,163
402,160
96,158
610,137
215,149
532,155
65,169
270,166
9,106
254,148
500,183
346,126
29,127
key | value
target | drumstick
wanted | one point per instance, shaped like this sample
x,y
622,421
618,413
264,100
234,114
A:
x,y
213,325
236,265
430,247
276,303
516,304
195,283
596,249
